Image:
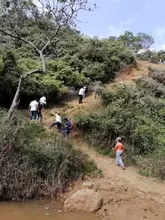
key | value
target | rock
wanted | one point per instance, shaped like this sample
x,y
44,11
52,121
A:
x,y
47,214
88,185
84,200
46,208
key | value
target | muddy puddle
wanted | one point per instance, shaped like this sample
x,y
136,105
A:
x,y
39,211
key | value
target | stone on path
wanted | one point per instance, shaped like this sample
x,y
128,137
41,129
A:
x,y
88,185
84,200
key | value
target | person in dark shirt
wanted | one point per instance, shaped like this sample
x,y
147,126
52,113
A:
x,y
86,91
67,127
40,112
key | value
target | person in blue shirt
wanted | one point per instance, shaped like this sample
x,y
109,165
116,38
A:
x,y
67,127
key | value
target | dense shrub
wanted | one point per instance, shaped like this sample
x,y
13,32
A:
x,y
152,56
136,114
35,165
151,87
159,76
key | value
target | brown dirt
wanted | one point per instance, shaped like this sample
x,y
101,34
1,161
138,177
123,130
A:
x,y
126,194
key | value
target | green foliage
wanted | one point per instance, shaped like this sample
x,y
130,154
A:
x,y
150,86
161,55
159,76
34,164
127,38
74,61
136,113
150,69
143,172
145,40
153,56
137,42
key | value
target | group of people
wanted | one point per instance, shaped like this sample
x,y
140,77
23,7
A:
x,y
58,122
36,109
36,113
83,92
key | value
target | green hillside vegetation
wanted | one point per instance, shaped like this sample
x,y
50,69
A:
x,y
137,114
76,61
35,164
42,53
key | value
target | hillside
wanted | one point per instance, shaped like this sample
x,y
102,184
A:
x,y
71,108
126,194
42,54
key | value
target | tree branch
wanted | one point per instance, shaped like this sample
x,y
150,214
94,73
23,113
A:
x,y
43,61
51,38
40,52
31,73
20,38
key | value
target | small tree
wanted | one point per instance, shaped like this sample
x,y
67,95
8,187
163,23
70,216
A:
x,y
27,22
136,42
145,40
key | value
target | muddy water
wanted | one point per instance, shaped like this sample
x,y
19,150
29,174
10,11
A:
x,y
39,211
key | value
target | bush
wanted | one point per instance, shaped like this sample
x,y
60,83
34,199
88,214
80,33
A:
x,y
151,87
159,76
35,165
150,69
136,114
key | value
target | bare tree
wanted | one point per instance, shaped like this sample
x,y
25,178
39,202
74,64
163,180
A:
x,y
16,18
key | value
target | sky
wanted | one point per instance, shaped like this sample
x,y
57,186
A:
x,y
114,17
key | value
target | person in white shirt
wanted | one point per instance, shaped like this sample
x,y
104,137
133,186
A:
x,y
57,121
33,108
42,101
81,94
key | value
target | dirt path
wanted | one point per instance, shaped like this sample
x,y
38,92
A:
x,y
126,194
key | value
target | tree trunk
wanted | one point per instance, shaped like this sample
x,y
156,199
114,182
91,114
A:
x,y
15,103
16,99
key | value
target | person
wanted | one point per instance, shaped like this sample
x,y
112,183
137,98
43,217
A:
x,y
84,92
81,95
119,148
67,127
33,108
86,89
42,101
40,112
57,122
97,89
